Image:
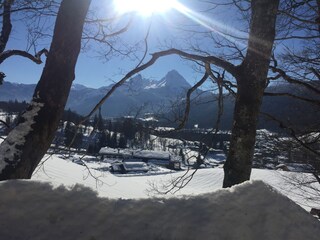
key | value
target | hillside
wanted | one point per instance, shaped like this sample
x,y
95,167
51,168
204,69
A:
x,y
166,97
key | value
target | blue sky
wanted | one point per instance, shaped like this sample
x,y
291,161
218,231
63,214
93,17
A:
x,y
92,71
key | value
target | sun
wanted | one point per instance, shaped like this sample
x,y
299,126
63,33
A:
x,y
144,7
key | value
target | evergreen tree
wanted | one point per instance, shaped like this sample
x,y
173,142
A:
x,y
72,136
95,121
110,129
91,149
181,154
113,141
129,129
100,123
68,134
77,143
108,139
8,120
122,141
102,140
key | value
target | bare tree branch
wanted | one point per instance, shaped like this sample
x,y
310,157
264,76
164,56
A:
x,y
315,102
35,58
289,79
232,69
187,107
4,123
292,132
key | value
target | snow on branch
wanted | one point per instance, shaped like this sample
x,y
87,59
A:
x,y
10,147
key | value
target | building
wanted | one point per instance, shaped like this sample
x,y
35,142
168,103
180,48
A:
x,y
160,158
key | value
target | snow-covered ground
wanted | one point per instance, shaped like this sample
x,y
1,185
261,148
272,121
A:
x,y
59,171
65,200
4,115
253,210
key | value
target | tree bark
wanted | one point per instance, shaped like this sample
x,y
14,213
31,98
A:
x,y
26,145
6,25
318,18
251,80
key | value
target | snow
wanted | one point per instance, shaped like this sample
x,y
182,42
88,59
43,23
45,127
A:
x,y
149,119
108,150
172,79
4,115
151,86
296,167
162,84
9,148
65,200
135,153
253,210
164,128
78,87
58,171
152,154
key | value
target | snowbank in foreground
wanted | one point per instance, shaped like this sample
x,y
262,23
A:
x,y
34,210
58,171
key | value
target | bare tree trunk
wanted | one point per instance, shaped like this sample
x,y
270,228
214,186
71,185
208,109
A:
x,y
25,146
6,25
318,18
251,81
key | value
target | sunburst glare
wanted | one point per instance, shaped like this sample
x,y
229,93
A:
x,y
144,7
148,7
223,30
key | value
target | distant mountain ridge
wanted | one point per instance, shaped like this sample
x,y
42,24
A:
x,y
133,94
16,91
166,95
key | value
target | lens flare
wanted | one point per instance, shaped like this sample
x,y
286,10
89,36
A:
x,y
143,7
148,7
221,29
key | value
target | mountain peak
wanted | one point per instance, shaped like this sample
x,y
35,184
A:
x,y
174,79
136,77
138,82
77,86
173,73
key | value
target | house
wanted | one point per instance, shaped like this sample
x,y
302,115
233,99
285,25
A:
x,y
115,153
129,167
148,156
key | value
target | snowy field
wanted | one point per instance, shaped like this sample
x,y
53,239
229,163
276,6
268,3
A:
x,y
65,200
134,186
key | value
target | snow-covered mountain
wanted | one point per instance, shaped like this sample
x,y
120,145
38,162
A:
x,y
173,80
168,94
16,91
78,87
136,92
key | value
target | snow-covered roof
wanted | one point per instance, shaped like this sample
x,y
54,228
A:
x,y
135,153
151,154
115,151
